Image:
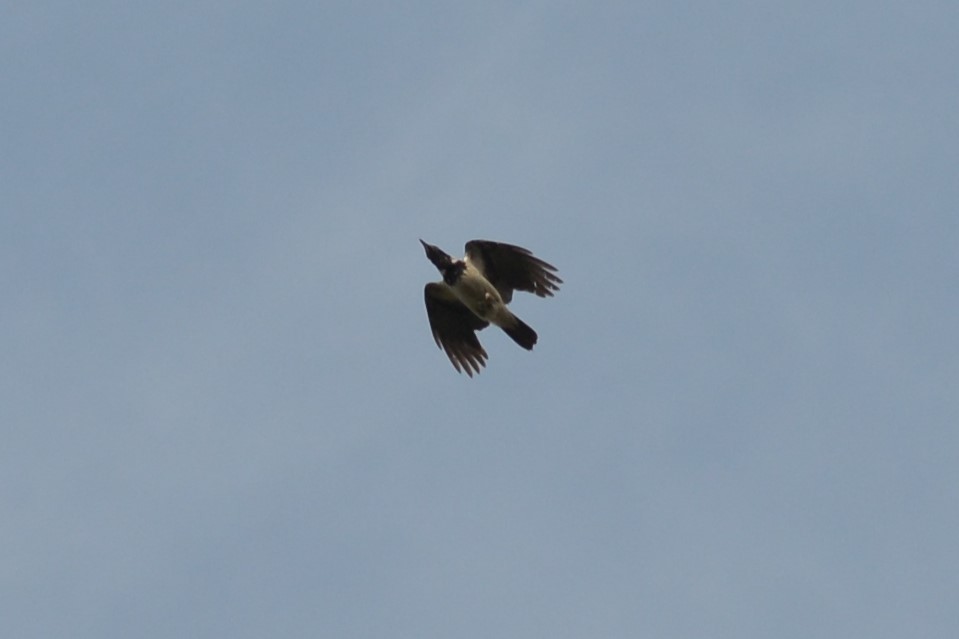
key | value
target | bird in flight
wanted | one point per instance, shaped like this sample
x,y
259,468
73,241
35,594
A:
x,y
474,293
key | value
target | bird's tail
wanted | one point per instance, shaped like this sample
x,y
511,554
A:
x,y
521,333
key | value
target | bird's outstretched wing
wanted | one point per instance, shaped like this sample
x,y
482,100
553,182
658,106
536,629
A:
x,y
510,268
454,328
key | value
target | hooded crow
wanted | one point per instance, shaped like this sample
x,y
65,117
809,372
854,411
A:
x,y
474,293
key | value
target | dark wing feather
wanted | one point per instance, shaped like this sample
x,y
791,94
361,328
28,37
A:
x,y
510,268
454,328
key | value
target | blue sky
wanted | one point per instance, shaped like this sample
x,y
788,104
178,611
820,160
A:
x,y
222,410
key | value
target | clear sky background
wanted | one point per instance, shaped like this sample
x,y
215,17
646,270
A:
x,y
223,414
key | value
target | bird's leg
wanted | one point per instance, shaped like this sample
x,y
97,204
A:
x,y
485,305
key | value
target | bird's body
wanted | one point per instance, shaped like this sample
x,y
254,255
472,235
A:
x,y
474,293
479,296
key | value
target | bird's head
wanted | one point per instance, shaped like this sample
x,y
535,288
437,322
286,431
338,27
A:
x,y
436,255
